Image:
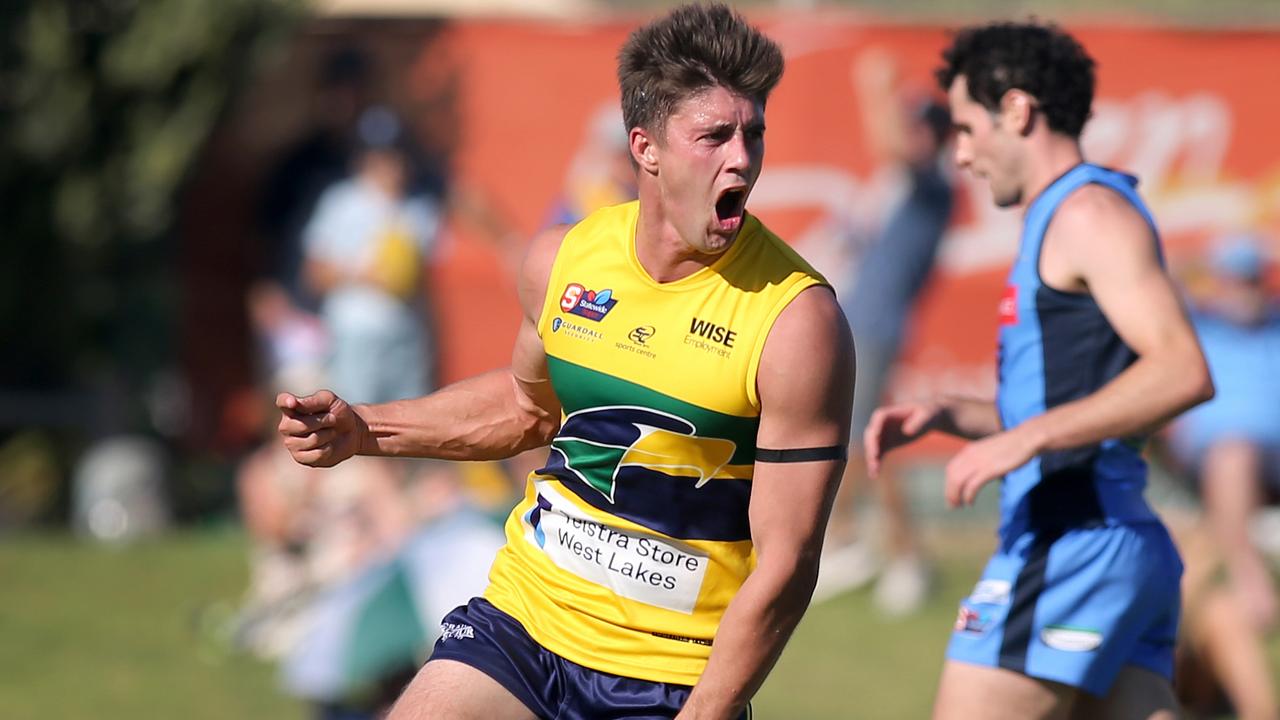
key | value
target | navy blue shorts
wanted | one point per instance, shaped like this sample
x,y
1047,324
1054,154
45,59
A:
x,y
482,636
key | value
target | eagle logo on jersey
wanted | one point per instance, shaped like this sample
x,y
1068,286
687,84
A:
x,y
595,443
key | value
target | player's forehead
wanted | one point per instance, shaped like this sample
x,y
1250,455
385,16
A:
x,y
716,106
959,98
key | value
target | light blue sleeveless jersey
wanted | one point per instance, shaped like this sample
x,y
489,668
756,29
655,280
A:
x,y
1085,579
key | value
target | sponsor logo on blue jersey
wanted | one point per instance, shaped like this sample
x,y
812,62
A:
x,y
972,620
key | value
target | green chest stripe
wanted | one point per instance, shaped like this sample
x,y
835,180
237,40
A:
x,y
580,388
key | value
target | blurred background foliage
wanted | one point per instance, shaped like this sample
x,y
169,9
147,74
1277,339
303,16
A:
x,y
104,106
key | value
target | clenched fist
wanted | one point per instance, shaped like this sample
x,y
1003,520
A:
x,y
319,430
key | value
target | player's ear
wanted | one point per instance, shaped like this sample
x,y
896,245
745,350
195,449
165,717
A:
x,y
1017,111
644,151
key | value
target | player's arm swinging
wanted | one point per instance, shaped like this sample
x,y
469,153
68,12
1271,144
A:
x,y
490,416
897,425
805,384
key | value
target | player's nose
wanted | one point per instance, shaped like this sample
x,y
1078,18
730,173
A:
x,y
963,154
737,154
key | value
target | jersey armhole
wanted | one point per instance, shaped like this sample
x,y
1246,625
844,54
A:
x,y
1134,201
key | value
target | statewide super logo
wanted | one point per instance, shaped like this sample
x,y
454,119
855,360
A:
x,y
590,304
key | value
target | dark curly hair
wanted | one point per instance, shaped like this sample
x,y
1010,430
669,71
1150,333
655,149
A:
x,y
693,48
1041,60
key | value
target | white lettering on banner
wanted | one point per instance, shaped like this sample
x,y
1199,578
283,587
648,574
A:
x,y
656,571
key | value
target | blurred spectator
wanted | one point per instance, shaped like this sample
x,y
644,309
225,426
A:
x,y
366,245
1232,445
321,158
1221,662
908,132
351,568
600,173
292,342
351,572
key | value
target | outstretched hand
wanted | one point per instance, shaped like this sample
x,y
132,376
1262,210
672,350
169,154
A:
x,y
982,461
894,426
320,430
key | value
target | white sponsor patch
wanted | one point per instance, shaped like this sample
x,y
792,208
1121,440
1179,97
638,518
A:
x,y
1071,639
991,592
656,571
456,631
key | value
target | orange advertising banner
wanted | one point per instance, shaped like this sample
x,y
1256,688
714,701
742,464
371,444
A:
x,y
1191,113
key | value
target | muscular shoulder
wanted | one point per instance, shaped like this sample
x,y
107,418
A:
x,y
808,356
535,271
1096,217
1095,225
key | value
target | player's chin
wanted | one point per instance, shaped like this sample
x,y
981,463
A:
x,y
717,241
1005,198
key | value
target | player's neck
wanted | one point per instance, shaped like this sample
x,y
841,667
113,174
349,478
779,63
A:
x,y
1055,155
663,254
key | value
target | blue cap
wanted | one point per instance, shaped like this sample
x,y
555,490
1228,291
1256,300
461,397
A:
x,y
379,129
1238,256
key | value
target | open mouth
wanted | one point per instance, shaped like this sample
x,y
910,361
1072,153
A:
x,y
730,206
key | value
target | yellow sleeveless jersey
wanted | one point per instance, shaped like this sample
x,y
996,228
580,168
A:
x,y
631,541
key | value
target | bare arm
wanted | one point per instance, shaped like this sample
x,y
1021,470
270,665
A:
x,y
806,390
1104,245
1098,243
494,415
897,425
967,417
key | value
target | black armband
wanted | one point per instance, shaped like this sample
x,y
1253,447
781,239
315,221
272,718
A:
x,y
794,455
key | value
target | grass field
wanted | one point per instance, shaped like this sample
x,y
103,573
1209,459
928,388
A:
x,y
92,632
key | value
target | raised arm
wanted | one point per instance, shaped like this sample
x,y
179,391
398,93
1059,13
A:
x,y
1099,244
490,416
805,384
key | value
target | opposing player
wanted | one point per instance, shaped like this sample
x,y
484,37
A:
x,y
1076,613
693,376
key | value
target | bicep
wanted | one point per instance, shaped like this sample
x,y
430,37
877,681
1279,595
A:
x,y
805,384
528,357
529,362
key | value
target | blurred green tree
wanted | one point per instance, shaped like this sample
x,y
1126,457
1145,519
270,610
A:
x,y
104,106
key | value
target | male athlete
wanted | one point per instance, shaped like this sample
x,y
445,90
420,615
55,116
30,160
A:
x,y
1076,613
692,375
